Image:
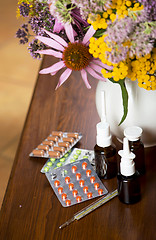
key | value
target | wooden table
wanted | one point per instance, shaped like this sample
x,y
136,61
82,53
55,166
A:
x,y
30,208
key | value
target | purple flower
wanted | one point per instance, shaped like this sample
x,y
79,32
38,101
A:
x,y
73,55
24,9
22,34
35,46
150,8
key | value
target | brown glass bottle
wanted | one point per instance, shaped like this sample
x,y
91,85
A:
x,y
128,188
134,134
105,161
137,148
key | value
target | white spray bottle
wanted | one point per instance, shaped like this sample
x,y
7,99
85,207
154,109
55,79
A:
x,y
128,179
105,150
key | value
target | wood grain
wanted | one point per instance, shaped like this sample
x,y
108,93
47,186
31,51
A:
x,y
30,208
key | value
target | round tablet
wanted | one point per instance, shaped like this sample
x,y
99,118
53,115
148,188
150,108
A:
x,y
62,160
78,198
67,179
78,152
84,165
74,169
57,183
75,192
46,169
85,189
52,160
72,160
96,186
71,186
100,191
49,164
88,172
78,176
68,202
75,157
92,179
89,194
59,164
64,196
81,182
60,190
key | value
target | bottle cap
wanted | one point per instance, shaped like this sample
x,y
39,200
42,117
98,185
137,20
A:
x,y
127,165
133,133
103,138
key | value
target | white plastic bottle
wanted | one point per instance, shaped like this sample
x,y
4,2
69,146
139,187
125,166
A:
x,y
128,179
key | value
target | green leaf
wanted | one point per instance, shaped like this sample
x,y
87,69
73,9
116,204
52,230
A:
x,y
124,98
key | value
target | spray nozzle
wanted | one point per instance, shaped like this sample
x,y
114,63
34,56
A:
x,y
104,137
103,115
126,153
127,165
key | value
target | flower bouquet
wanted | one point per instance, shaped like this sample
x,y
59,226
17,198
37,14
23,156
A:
x,y
109,39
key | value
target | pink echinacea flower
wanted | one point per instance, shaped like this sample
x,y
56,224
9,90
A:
x,y
74,56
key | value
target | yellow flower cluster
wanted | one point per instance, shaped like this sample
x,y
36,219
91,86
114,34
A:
x,y
118,7
118,72
97,48
144,69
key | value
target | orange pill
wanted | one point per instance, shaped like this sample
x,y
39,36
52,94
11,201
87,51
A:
x,y
96,186
73,135
39,153
64,196
60,190
49,143
100,191
89,194
57,183
57,133
54,154
78,198
43,147
64,144
75,192
84,165
88,172
85,189
78,176
71,186
71,140
68,202
81,182
92,179
51,138
60,149
67,179
74,169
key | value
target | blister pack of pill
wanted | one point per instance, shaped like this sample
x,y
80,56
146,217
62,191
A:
x,y
56,145
75,183
71,156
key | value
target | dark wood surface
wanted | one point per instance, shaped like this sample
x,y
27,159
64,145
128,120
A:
x,y
30,208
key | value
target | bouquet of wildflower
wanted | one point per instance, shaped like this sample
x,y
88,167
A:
x,y
109,39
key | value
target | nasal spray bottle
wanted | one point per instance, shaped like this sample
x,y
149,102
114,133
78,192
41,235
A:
x,y
128,180
105,151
